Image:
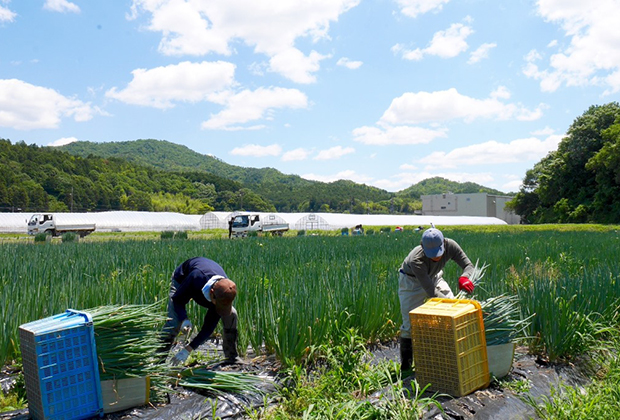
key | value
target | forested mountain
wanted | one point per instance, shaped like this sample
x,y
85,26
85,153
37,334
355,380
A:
x,y
169,156
36,178
580,181
152,175
288,193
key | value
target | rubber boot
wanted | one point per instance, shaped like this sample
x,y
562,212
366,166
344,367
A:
x,y
406,354
229,345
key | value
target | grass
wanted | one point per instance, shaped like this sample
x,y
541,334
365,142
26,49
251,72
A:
x,y
337,382
598,400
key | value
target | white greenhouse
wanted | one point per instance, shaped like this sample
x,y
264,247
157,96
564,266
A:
x,y
135,221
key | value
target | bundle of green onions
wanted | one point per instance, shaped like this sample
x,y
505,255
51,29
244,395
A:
x,y
128,344
502,319
501,314
219,382
127,339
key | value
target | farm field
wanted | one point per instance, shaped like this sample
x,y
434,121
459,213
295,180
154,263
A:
x,y
300,292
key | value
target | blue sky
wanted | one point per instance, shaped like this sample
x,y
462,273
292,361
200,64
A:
x,y
381,92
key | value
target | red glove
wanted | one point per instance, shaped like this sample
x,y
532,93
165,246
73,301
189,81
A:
x,y
466,284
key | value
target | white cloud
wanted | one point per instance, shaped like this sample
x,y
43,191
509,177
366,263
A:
x,y
547,131
6,15
593,56
445,105
445,44
271,27
255,150
294,65
413,8
62,6
401,135
296,154
63,141
344,61
481,52
348,174
492,152
407,167
246,106
26,107
335,152
501,92
513,184
160,87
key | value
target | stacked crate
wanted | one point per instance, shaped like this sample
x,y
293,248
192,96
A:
x,y
60,367
449,346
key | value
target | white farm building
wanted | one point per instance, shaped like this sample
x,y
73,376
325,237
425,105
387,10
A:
x,y
478,204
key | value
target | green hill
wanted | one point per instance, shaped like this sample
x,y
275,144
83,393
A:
x,y
439,185
173,157
288,193
155,175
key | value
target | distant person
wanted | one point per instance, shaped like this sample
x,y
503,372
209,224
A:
x,y
204,281
421,277
230,223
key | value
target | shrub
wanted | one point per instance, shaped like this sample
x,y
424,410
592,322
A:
x,y
252,234
41,237
370,231
301,232
70,237
167,234
180,234
385,230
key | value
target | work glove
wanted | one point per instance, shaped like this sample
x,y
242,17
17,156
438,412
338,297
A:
x,y
466,285
180,357
186,327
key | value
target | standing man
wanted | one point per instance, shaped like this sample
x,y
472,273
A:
x,y
204,281
421,277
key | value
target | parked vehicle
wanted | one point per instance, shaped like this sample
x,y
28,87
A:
x,y
242,224
53,224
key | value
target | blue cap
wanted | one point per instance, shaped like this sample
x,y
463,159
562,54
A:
x,y
432,243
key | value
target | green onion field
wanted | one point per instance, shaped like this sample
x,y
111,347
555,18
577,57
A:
x,y
299,293
292,290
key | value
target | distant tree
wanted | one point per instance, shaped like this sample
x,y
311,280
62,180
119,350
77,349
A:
x,y
606,164
139,201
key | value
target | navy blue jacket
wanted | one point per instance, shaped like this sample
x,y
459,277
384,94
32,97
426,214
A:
x,y
192,276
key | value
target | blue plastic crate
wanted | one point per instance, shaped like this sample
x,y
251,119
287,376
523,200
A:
x,y
60,367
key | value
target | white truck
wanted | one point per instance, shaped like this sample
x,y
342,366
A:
x,y
242,224
53,224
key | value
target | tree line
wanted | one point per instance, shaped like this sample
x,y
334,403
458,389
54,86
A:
x,y
580,181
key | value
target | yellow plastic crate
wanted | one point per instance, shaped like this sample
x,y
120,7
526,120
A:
x,y
449,346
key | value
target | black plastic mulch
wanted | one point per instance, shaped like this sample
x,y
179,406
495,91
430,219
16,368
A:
x,y
491,403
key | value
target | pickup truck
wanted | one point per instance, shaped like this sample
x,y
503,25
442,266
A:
x,y
242,224
53,224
